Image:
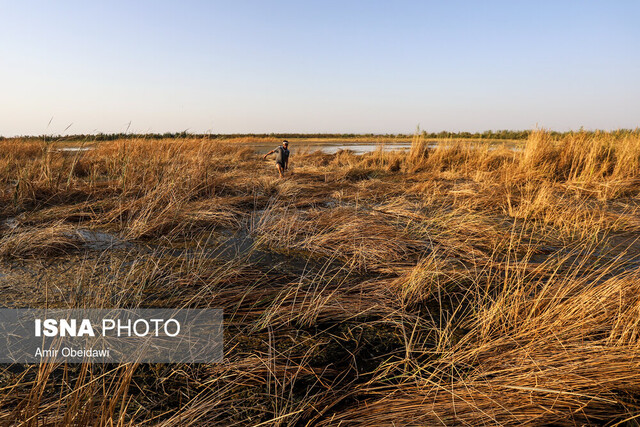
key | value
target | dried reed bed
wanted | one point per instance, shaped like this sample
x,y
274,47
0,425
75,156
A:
x,y
557,352
457,284
39,241
363,240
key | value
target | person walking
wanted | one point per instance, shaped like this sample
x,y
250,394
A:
x,y
282,157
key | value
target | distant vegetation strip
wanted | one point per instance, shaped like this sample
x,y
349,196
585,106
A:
x,y
488,134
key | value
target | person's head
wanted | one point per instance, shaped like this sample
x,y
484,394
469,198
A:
x,y
285,143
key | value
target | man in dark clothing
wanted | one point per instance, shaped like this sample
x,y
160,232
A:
x,y
282,157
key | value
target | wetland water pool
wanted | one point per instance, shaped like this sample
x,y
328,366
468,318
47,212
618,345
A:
x,y
332,146
361,147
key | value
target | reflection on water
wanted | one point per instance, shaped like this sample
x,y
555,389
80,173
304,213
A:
x,y
75,149
364,147
356,148
334,147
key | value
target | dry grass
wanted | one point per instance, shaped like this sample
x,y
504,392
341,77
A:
x,y
461,284
40,241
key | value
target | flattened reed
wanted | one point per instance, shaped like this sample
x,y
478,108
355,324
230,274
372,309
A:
x,y
461,283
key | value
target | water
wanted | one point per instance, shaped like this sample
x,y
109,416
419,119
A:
x,y
356,148
329,148
333,146
99,240
74,149
361,147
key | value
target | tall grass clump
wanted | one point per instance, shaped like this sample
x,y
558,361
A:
x,y
582,157
419,149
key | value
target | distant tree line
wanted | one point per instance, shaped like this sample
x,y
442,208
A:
x,y
517,134
488,134
171,135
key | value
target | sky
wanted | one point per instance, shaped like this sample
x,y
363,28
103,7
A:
x,y
71,67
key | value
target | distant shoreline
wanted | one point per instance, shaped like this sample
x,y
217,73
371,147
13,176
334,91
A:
x,y
486,135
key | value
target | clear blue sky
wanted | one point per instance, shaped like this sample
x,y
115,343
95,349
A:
x,y
317,66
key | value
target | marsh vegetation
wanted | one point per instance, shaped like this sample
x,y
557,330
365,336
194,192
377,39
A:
x,y
455,284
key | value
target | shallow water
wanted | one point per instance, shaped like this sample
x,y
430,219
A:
x,y
74,149
332,147
101,241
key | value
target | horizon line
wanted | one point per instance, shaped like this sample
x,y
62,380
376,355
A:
x,y
184,133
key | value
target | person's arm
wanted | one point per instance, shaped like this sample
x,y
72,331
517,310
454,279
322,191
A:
x,y
286,164
269,153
